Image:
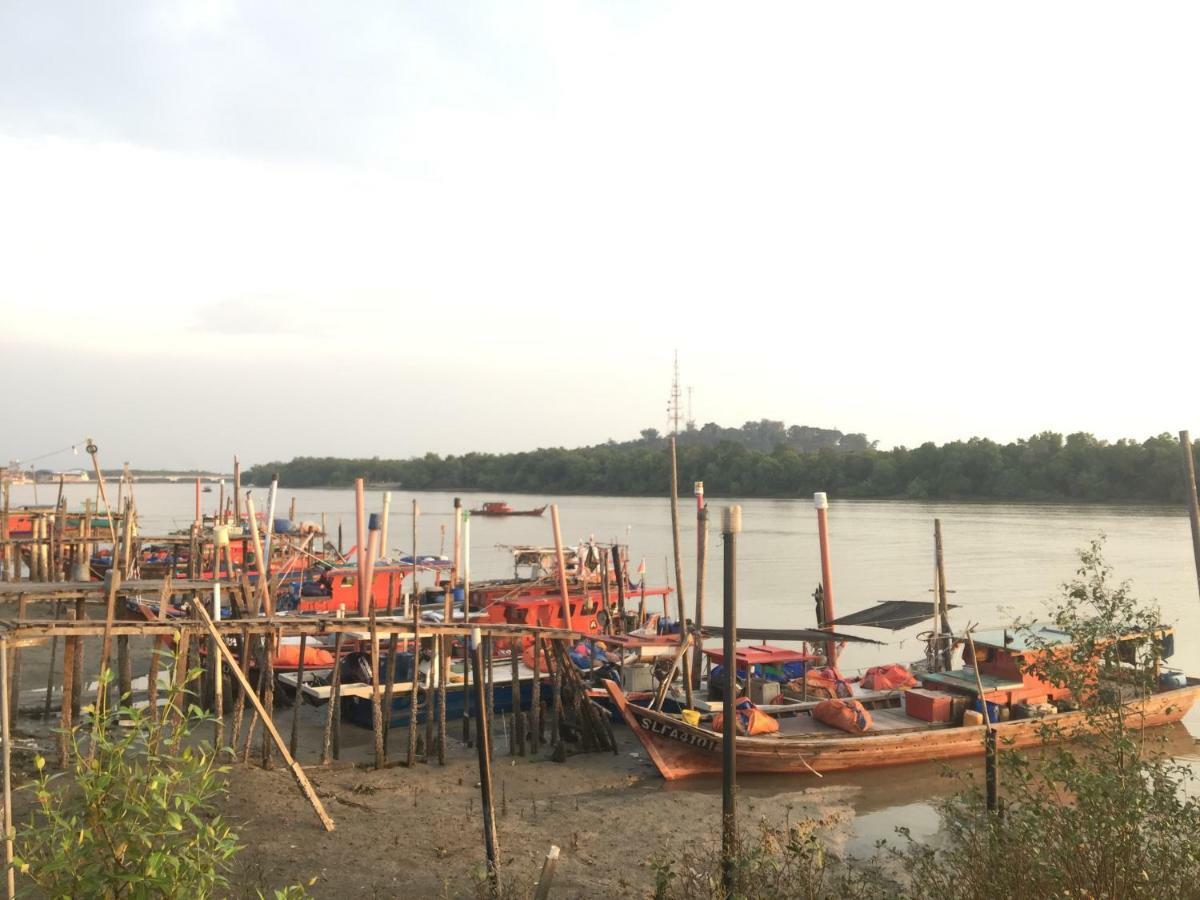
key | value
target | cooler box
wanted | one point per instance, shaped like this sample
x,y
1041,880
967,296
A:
x,y
927,705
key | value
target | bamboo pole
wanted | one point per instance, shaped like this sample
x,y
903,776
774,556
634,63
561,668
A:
x,y
305,785
561,562
443,658
1189,486
991,763
679,595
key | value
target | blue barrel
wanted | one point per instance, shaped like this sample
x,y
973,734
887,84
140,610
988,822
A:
x,y
459,596
993,710
283,526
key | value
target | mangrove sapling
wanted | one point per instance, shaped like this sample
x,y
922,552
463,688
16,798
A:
x,y
134,818
1106,815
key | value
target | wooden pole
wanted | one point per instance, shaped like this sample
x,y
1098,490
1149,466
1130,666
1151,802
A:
x,y
414,687
491,843
305,785
237,492
294,743
112,529
679,595
68,694
516,738
535,700
821,502
991,763
332,745
941,615
4,735
731,526
701,575
360,516
383,537
1189,487
619,574
561,561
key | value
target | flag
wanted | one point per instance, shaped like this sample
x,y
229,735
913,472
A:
x,y
642,568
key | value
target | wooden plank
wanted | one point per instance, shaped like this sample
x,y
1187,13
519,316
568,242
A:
x,y
305,785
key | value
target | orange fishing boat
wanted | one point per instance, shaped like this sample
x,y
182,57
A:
x,y
901,730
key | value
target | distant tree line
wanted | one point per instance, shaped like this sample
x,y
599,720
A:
x,y
764,459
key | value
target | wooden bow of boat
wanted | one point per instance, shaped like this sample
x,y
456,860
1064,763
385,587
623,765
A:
x,y
680,750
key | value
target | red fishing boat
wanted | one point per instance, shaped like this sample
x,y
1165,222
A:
x,y
918,728
500,508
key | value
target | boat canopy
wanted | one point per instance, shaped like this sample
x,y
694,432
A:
x,y
788,634
895,615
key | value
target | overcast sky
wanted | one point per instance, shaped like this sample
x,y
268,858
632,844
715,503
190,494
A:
x,y
385,228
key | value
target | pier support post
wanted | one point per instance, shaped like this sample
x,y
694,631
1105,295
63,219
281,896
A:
x,y
1189,486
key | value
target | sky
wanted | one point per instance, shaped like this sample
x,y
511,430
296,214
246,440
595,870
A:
x,y
383,229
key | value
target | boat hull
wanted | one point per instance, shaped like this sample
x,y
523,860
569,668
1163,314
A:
x,y
679,750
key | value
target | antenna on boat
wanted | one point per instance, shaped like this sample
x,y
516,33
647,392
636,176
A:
x,y
674,402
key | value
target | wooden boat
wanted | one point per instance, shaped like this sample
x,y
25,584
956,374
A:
x,y
500,508
679,750
804,745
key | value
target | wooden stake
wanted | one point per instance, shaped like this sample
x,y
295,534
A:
x,y
333,716
296,703
542,891
305,785
516,737
490,840
443,657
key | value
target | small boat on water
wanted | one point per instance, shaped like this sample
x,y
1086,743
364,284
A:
x,y
500,508
917,725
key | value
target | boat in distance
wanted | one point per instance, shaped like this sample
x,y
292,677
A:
x,y
500,508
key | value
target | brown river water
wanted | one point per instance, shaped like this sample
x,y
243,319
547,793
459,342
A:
x,y
1003,560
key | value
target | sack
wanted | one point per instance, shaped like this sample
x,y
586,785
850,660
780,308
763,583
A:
x,y
288,657
821,683
750,719
888,678
848,715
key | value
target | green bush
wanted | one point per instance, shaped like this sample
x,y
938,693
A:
x,y
135,815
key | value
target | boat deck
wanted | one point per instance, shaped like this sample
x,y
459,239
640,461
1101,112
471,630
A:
x,y
891,721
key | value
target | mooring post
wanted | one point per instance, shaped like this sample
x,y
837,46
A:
x,y
680,601
941,623
701,574
1189,486
821,502
731,526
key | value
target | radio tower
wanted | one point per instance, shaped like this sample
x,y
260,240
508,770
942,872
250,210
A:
x,y
673,403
